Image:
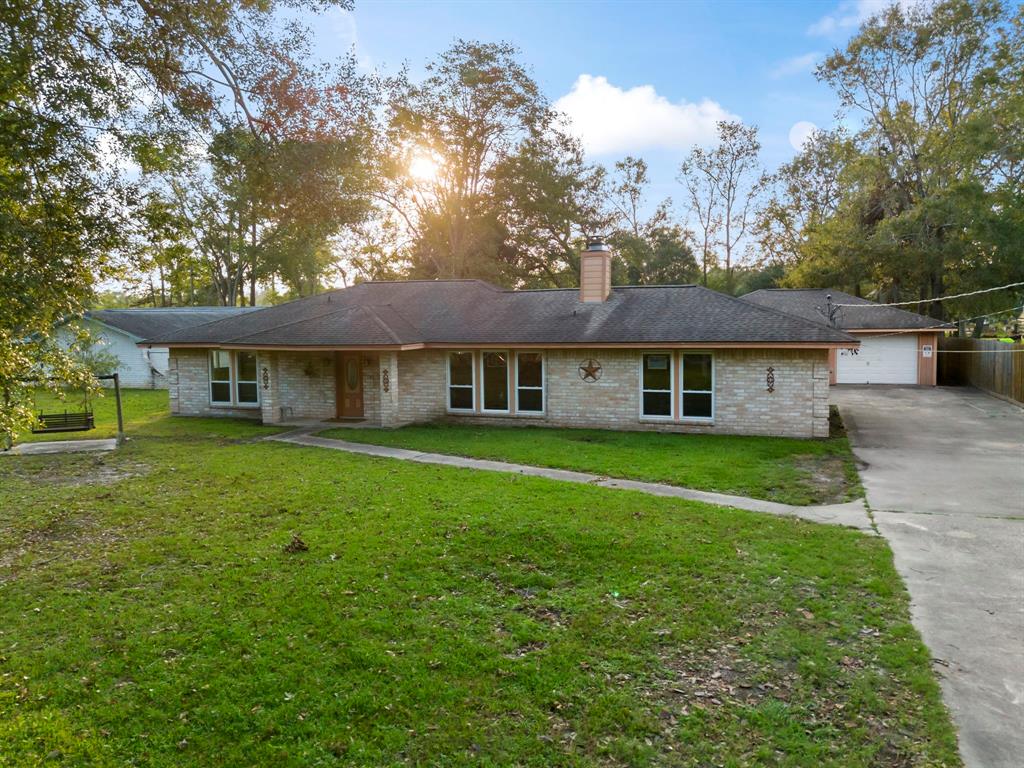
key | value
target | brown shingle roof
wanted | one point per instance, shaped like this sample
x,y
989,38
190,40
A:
x,y
810,304
145,322
474,312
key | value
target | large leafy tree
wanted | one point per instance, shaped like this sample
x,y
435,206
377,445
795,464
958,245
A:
x,y
651,250
81,83
550,200
256,211
481,174
801,195
923,198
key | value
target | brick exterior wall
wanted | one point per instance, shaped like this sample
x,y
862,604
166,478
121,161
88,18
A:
x,y
188,383
302,386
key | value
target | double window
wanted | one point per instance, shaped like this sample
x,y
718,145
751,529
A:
x,y
658,386
497,382
233,378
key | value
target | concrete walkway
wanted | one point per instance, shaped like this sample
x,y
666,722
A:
x,y
61,446
852,514
944,475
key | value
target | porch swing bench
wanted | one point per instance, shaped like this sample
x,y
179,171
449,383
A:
x,y
75,421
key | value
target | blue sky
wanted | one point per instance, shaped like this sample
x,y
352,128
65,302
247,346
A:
x,y
643,78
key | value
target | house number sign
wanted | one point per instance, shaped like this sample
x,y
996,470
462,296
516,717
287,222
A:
x,y
590,370
770,379
385,380
266,378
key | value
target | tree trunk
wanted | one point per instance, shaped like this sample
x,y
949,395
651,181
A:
x,y
936,309
252,265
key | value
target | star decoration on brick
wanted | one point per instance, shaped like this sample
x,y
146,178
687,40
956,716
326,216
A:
x,y
590,370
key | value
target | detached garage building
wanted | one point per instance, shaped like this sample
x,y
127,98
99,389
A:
x,y
896,346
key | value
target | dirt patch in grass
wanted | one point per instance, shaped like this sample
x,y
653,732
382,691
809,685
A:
x,y
72,470
65,537
824,477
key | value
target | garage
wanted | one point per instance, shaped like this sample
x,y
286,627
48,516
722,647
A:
x,y
879,360
896,346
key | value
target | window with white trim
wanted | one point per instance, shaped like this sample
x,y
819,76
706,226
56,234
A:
x,y
495,381
656,386
460,381
220,377
698,385
529,382
246,390
233,378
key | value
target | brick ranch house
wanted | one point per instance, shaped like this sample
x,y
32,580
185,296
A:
x,y
673,358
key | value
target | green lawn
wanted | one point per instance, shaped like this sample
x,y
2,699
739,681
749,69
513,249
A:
x,y
139,407
150,614
778,469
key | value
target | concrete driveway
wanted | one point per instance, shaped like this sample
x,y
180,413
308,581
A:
x,y
944,475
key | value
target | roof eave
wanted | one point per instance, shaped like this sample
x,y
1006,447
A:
x,y
837,344
96,320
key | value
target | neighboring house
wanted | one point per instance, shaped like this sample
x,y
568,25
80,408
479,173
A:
x,y
681,358
896,346
119,331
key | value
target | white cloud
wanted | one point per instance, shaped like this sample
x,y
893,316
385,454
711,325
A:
x,y
797,65
800,133
852,13
611,119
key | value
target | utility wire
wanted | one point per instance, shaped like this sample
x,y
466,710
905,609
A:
x,y
939,298
951,326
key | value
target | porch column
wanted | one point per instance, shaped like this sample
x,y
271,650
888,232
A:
x,y
388,388
270,397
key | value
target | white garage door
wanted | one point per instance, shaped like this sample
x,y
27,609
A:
x,y
880,360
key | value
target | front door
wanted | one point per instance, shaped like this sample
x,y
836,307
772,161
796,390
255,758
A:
x,y
348,371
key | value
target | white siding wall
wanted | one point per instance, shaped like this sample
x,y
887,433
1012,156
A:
x,y
135,364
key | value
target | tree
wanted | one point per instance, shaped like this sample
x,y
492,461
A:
x,y
481,174
652,250
801,195
930,194
723,185
81,85
703,198
550,200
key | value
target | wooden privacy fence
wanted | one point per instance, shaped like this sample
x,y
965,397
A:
x,y
984,363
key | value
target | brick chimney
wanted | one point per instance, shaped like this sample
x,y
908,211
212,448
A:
x,y
595,272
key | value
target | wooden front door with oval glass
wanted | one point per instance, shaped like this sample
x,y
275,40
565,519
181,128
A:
x,y
348,370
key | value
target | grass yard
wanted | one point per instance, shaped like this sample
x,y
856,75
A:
x,y
139,407
778,469
153,612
